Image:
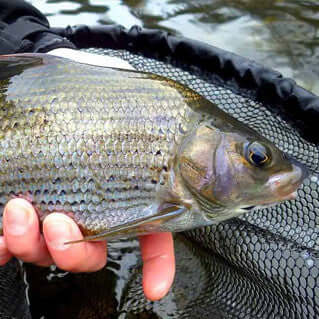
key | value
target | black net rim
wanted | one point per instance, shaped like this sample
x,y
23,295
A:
x,y
241,75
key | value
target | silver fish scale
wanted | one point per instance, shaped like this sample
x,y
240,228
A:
x,y
91,141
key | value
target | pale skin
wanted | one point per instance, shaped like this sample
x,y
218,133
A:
x,y
23,239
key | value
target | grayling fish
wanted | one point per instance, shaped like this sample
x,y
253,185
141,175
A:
x,y
126,152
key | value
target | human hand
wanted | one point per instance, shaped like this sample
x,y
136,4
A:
x,y
22,239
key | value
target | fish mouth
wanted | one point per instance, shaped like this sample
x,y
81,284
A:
x,y
304,169
255,207
248,208
290,196
284,186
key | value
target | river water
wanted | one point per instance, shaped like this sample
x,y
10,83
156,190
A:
x,y
281,34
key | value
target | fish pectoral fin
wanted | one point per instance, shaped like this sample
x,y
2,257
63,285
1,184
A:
x,y
138,226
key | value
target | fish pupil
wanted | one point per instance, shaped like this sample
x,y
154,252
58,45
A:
x,y
258,158
257,154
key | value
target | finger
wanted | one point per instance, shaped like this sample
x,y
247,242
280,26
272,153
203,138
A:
x,y
22,234
158,264
78,257
5,255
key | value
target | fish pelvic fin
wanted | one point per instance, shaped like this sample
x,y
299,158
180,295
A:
x,y
150,224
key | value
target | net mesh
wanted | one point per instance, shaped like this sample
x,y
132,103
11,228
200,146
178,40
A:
x,y
13,302
262,265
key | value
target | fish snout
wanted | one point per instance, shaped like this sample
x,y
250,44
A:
x,y
298,167
285,185
293,180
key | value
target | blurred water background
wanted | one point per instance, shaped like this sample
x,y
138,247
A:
x,y
281,34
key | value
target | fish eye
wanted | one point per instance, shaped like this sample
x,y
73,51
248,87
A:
x,y
257,154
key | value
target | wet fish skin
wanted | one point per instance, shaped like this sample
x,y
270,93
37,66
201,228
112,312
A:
x,y
126,152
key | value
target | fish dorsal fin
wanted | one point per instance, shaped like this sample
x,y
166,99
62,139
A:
x,y
14,64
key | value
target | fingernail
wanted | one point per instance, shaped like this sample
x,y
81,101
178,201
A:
x,y
18,218
58,231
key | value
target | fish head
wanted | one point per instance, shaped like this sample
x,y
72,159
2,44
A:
x,y
230,172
